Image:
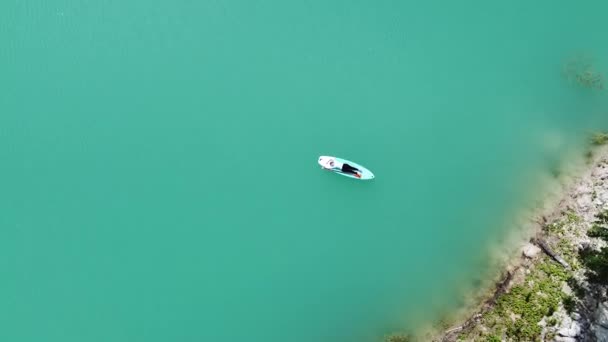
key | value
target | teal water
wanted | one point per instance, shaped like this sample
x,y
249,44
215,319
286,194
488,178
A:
x,y
158,167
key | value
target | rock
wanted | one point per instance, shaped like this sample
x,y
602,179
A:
x,y
530,251
584,202
564,339
569,328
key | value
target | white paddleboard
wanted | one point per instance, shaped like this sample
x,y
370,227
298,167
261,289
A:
x,y
334,164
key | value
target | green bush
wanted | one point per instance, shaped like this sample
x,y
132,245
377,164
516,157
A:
x,y
597,261
555,227
597,265
528,303
602,217
569,304
571,217
598,231
493,338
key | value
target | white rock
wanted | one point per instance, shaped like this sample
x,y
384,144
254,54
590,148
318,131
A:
x,y
564,339
530,251
572,330
565,323
584,201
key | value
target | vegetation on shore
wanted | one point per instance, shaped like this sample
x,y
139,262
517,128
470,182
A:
x,y
521,313
526,311
518,313
596,261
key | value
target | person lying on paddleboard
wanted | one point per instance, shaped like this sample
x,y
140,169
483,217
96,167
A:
x,y
332,164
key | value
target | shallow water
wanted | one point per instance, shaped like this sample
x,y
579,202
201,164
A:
x,y
159,178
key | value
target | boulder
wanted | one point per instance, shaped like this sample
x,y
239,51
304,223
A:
x,y
569,328
530,251
568,291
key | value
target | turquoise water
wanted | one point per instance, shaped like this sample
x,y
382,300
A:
x,y
158,160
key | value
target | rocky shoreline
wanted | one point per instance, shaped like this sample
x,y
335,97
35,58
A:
x,y
547,294
553,288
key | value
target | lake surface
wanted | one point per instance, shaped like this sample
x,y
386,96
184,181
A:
x,y
158,160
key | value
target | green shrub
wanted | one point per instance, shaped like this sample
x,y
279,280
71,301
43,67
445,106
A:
x,y
493,338
555,227
598,231
597,261
569,303
540,296
571,217
602,217
597,265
